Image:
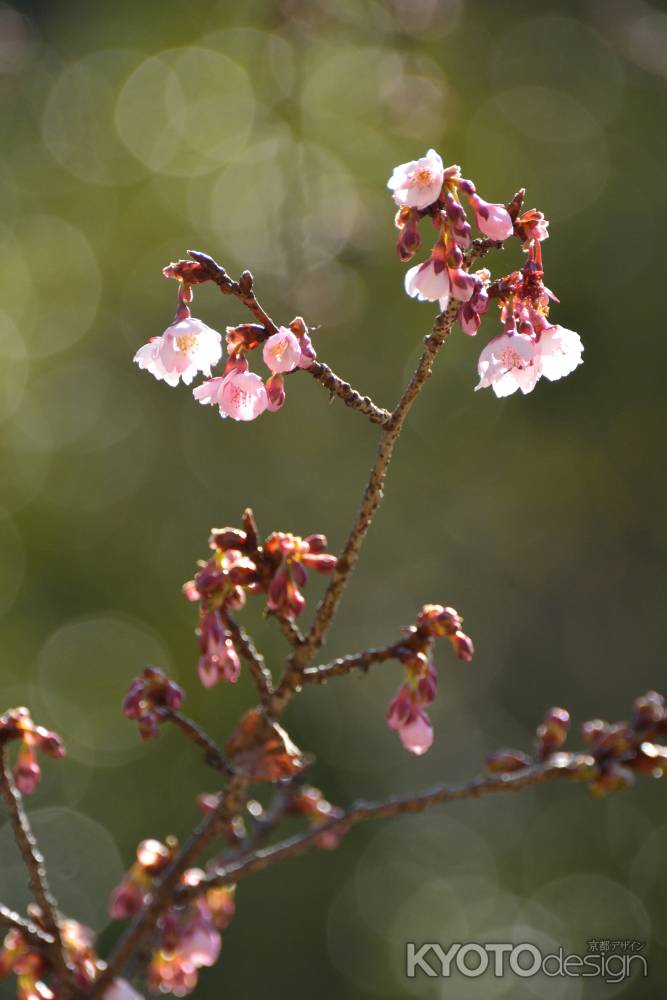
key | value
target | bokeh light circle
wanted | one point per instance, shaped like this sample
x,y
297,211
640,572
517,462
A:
x,y
78,119
82,859
90,662
66,294
186,111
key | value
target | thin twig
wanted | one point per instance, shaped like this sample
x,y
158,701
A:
x,y
361,811
34,862
29,930
213,755
290,630
258,668
242,289
162,895
353,661
369,504
351,397
244,292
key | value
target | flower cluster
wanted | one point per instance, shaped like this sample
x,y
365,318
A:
x,y
33,970
406,712
187,937
615,753
149,695
17,724
529,346
189,347
240,565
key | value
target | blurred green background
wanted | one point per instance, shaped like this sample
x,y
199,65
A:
x,y
264,133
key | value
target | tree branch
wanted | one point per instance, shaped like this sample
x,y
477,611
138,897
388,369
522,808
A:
x,y
353,661
29,930
351,397
162,895
258,668
34,862
369,504
359,812
242,290
213,755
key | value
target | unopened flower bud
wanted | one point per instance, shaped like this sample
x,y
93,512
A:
x,y
506,761
552,732
463,646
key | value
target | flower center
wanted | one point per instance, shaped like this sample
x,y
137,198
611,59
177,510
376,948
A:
x,y
423,176
186,343
511,359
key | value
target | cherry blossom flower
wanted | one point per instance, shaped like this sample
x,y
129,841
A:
x,y
120,989
418,183
239,394
429,282
532,226
491,219
185,348
559,351
509,362
282,351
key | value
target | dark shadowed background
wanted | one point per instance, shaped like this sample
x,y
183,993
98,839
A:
x,y
264,133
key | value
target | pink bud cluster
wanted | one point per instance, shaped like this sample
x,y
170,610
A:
x,y
33,969
17,724
188,347
406,712
615,753
240,565
529,346
149,695
187,937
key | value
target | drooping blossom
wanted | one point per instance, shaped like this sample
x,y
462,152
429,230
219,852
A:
x,y
282,351
509,362
491,219
186,348
410,721
418,183
559,351
406,712
239,393
429,282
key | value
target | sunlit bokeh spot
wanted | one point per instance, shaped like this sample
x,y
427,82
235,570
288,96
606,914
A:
x,y
78,119
551,124
24,460
68,283
14,366
592,71
186,111
12,562
91,661
83,862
